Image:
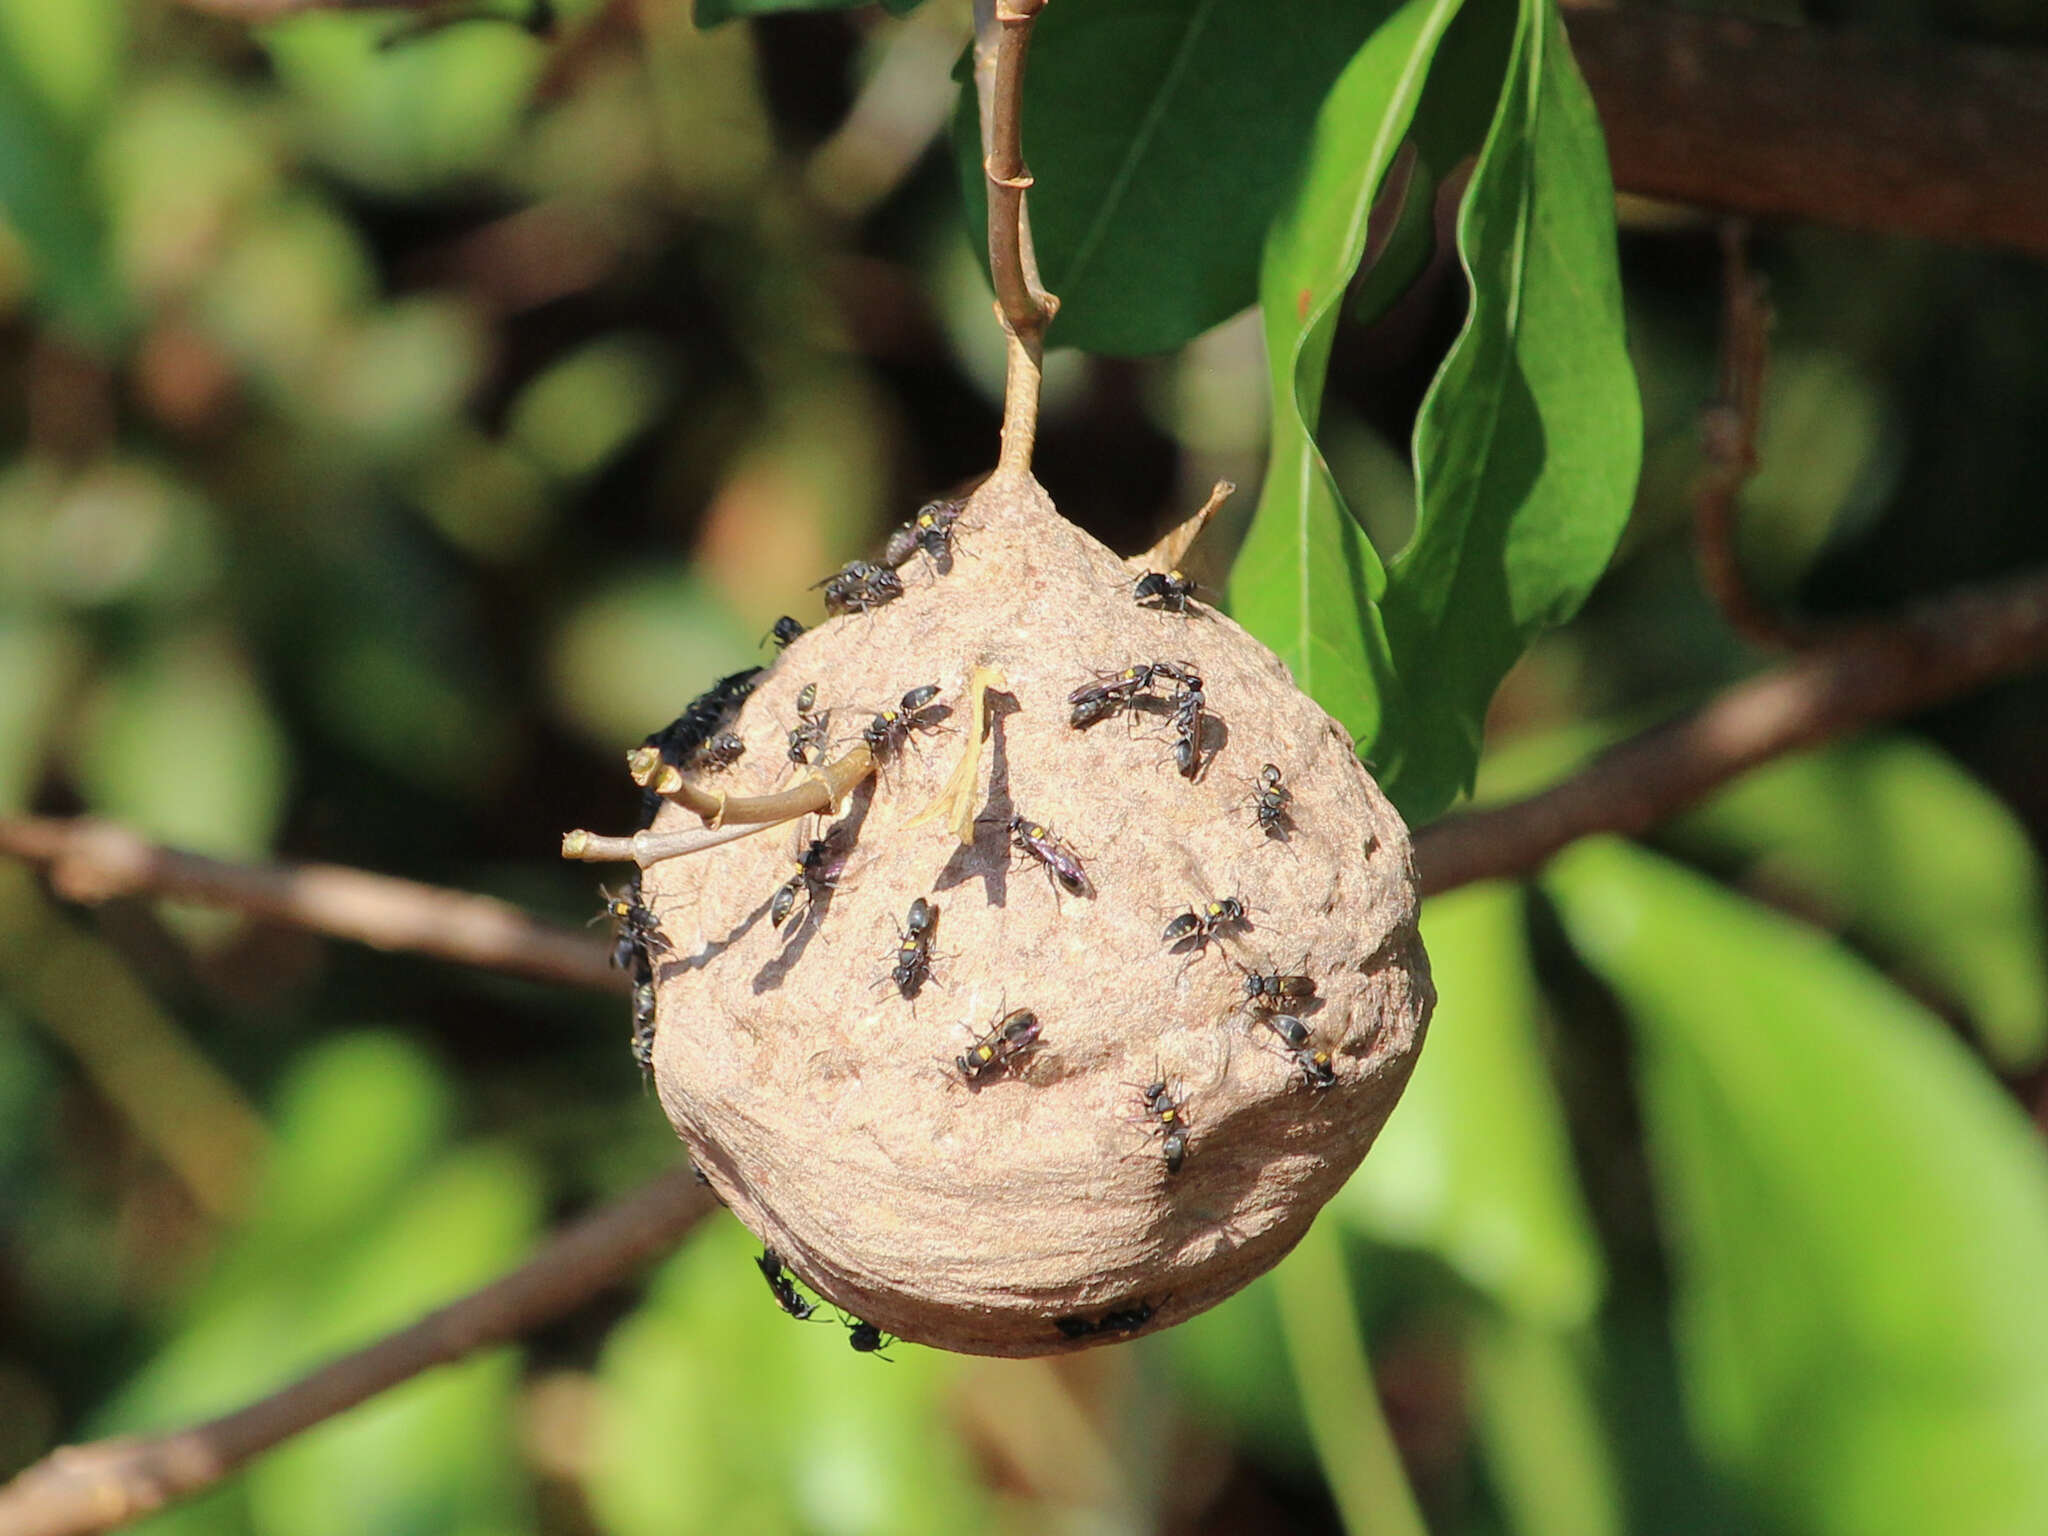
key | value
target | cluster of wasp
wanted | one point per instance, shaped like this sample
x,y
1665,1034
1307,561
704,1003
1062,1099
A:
x,y
1171,690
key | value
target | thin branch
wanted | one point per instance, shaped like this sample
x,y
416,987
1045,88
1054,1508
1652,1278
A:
x,y
1002,38
1877,672
1174,544
1905,137
96,1487
94,861
820,790
1728,443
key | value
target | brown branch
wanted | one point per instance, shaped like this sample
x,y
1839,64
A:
x,y
1877,672
1002,38
105,1484
1910,138
258,11
94,861
1728,444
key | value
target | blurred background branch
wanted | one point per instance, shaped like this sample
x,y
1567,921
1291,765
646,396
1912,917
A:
x,y
97,1487
95,861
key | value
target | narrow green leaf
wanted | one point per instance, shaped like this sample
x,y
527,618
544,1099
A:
x,y
1527,446
1326,1348
1307,581
1539,1430
1163,136
1476,1163
1917,856
1859,1216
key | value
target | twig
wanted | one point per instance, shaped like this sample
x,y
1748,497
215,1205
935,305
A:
x,y
1873,673
94,861
257,11
1002,37
98,1486
1174,545
1912,137
1728,435
822,789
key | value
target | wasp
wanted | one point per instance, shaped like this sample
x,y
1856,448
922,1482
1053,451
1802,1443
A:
x,y
817,873
1108,695
643,1027
679,740
1187,727
930,533
1315,1066
1269,801
635,929
892,727
868,1338
808,735
998,1050
1169,591
1199,926
721,751
1041,843
914,950
858,587
1267,991
1171,1115
1122,1320
785,630
1288,1028
783,1284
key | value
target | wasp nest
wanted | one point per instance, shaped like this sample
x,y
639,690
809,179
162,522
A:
x,y
1096,1069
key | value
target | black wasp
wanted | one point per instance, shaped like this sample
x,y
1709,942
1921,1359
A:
x,y
868,1339
930,533
1170,1113
914,950
1187,726
892,727
1314,1066
817,873
678,742
808,736
783,1284
1107,695
1196,928
1269,800
857,587
1267,990
721,751
786,629
1041,843
636,931
998,1050
1287,1027
1122,1320
1168,591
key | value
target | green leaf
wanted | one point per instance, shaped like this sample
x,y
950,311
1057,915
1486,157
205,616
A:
x,y
1476,1163
1527,446
1539,1430
1307,581
721,1414
49,200
1917,856
39,661
1164,136
1859,1216
182,745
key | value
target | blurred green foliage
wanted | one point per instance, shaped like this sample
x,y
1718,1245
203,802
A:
x,y
399,421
